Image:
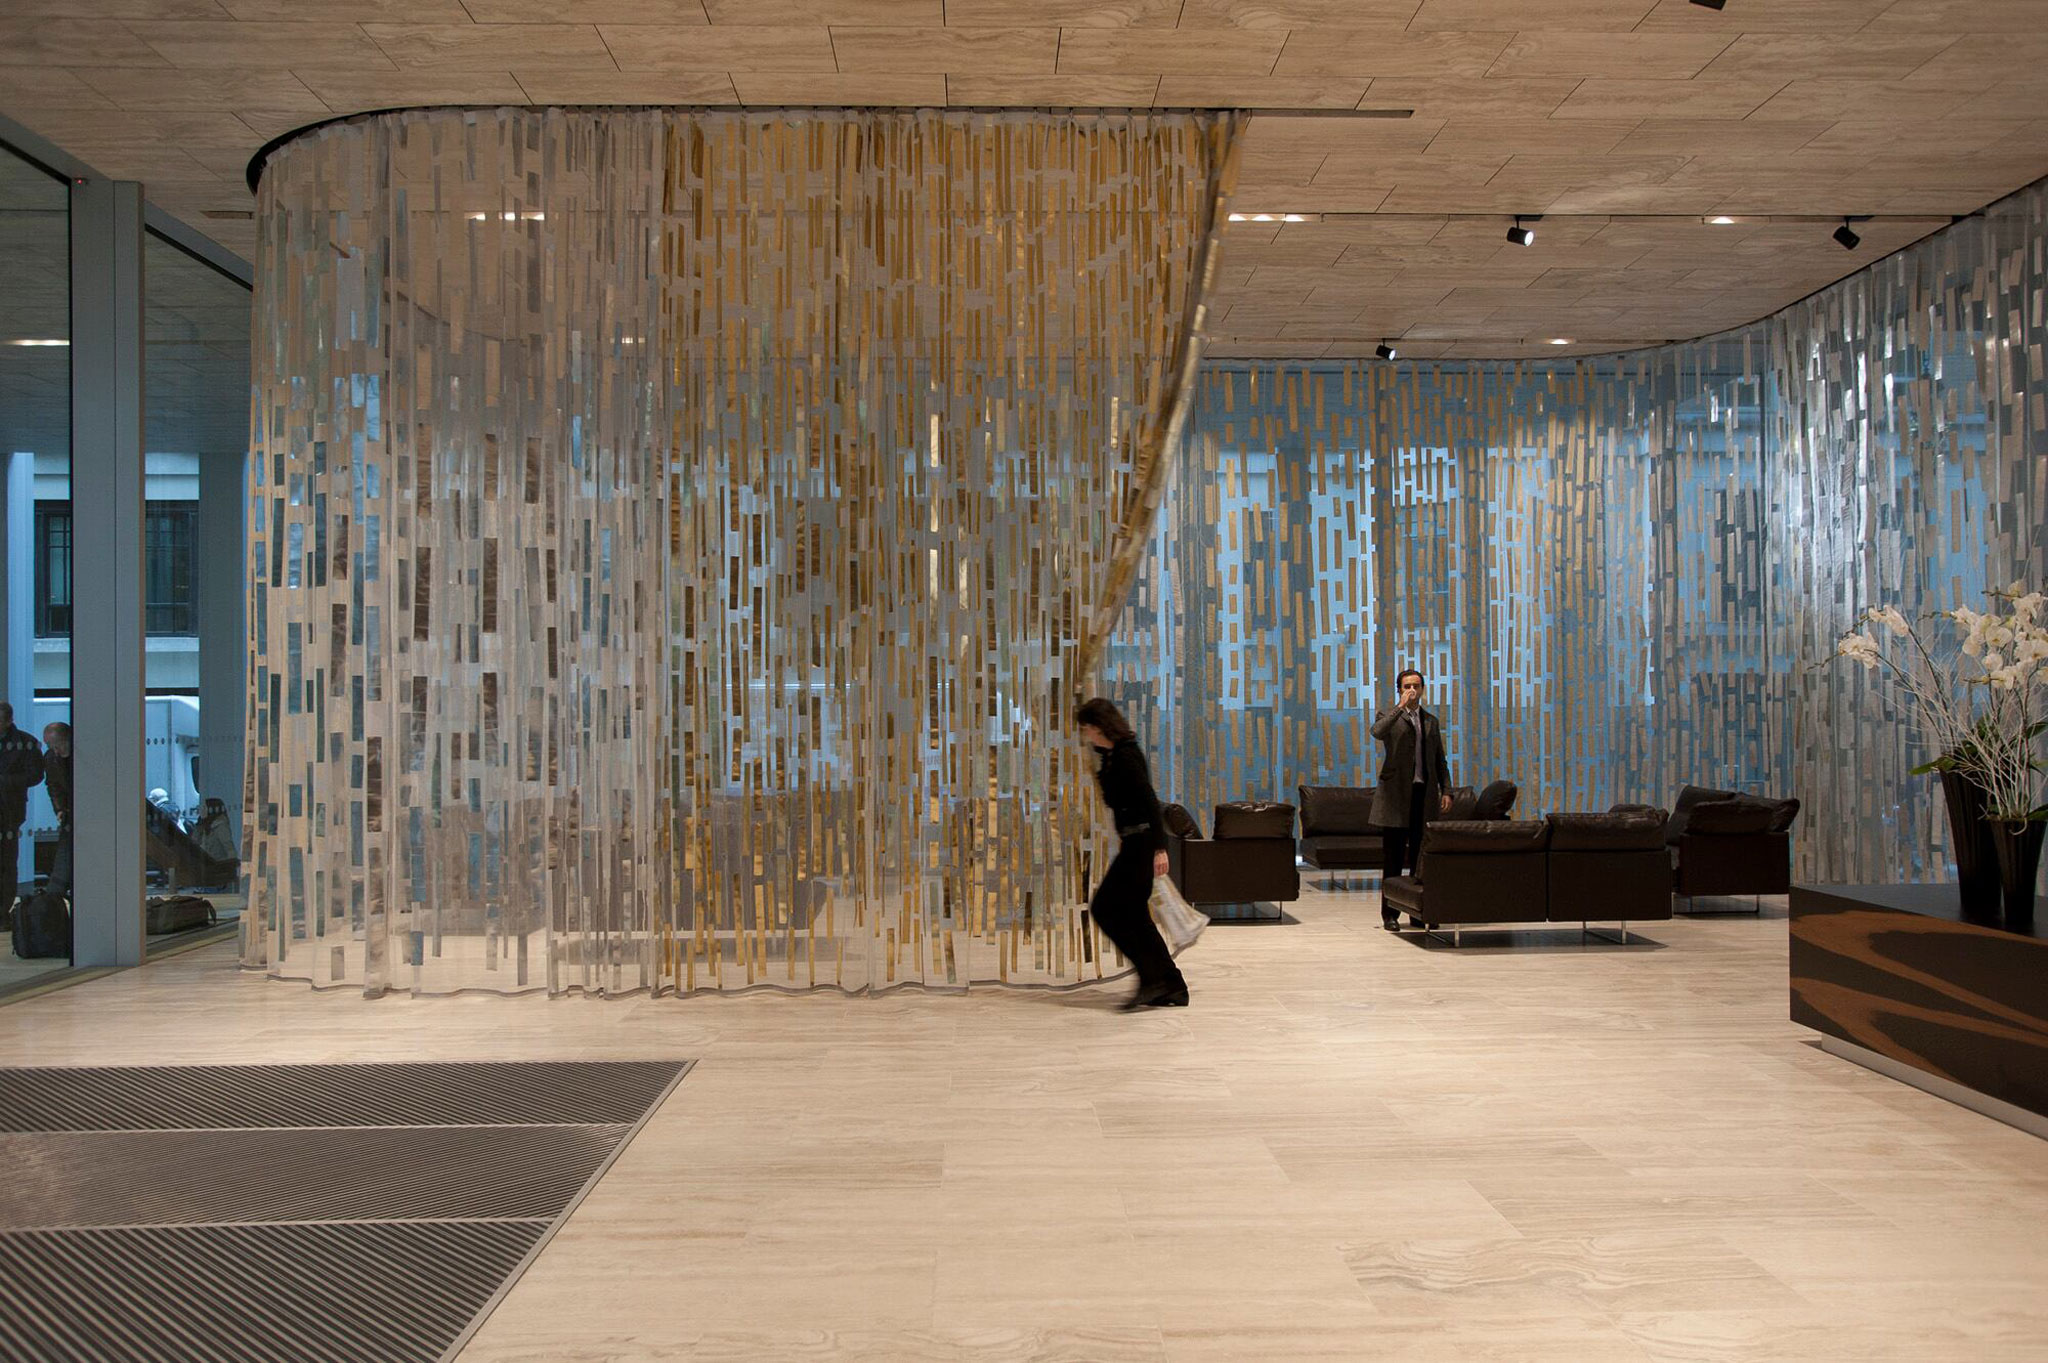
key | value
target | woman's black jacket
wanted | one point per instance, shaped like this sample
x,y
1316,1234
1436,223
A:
x,y
1127,789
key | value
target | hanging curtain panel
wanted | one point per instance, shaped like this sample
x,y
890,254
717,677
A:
x,y
674,536
1620,574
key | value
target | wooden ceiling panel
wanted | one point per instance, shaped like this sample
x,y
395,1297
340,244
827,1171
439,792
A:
x,y
949,51
1055,92
1624,122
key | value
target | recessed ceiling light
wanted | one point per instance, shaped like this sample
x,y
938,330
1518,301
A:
x,y
40,340
1720,220
1560,340
508,217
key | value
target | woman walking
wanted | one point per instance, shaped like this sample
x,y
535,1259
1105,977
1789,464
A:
x,y
1122,903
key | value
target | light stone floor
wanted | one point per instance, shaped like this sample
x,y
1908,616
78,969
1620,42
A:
x,y
1353,1146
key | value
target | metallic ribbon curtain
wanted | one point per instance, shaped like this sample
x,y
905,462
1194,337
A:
x,y
673,535
1620,574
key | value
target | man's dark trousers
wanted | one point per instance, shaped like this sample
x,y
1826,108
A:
x,y
1403,849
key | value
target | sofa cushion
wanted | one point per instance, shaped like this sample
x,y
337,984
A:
x,y
1606,832
1496,800
1486,836
1690,797
1254,819
1363,845
1636,809
1720,818
1464,800
1179,822
1336,811
1783,812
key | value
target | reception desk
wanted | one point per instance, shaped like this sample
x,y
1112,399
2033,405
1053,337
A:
x,y
1893,978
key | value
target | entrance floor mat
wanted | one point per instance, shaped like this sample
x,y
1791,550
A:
x,y
297,1213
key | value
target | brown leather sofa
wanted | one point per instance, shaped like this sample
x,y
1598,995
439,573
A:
x,y
1338,834
1724,843
1249,860
1563,868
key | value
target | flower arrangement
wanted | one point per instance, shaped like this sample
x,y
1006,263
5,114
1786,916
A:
x,y
1977,695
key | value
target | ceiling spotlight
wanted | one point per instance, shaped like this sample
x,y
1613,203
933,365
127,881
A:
x,y
1710,4
1846,235
1520,235
1384,351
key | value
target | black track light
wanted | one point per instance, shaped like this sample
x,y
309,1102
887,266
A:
x,y
1384,351
1846,235
1520,235
1710,4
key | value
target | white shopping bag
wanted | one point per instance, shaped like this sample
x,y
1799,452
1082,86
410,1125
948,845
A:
x,y
1180,923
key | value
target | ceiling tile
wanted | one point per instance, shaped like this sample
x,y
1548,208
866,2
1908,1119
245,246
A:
x,y
1701,97
1461,97
116,9
52,87
1976,59
1959,16
1326,51
1627,56
1259,92
348,11
1478,138
830,13
612,87
666,47
927,90
1832,98
348,92
1115,92
1778,16
269,123
1404,170
1381,14
1794,56
1610,16
58,42
586,11
79,130
492,47
1203,51
256,46
165,88
1719,137
965,51
1060,13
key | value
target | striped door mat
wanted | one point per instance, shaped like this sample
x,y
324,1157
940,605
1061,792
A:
x,y
296,1213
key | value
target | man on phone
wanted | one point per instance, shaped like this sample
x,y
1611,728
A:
x,y
1415,781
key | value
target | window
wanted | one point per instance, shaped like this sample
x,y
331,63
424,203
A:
x,y
170,568
53,570
170,582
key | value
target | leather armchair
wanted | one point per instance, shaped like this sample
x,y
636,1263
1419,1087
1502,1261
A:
x,y
1606,867
1477,871
1337,831
1250,860
1737,846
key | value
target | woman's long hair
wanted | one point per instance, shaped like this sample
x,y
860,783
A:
x,y
1104,715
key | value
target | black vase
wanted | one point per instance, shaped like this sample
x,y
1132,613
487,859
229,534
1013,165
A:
x,y
1977,874
2019,865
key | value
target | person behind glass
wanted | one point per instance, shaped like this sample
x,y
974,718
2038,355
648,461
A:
x,y
1122,903
21,767
57,771
1415,781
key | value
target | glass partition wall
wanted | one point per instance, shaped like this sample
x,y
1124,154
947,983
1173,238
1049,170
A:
x,y
35,556
195,438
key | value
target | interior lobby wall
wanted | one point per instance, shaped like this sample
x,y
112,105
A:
x,y
671,534
1621,574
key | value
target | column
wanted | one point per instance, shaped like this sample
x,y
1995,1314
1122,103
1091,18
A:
x,y
106,556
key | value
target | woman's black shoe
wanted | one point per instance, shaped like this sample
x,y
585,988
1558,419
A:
x,y
1177,999
1156,996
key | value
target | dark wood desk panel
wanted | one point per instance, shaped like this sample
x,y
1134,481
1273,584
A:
x,y
1895,969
